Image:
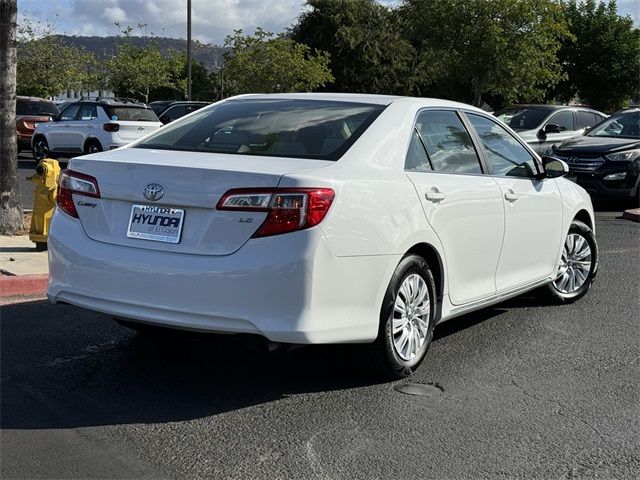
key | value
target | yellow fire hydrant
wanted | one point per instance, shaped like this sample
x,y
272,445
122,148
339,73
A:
x,y
46,181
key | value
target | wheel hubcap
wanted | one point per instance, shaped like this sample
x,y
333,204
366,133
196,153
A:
x,y
575,264
411,317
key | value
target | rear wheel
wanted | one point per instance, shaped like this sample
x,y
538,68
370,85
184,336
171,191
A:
x,y
578,266
92,146
406,319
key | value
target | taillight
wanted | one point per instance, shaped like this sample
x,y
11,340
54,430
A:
x,y
288,209
71,182
111,127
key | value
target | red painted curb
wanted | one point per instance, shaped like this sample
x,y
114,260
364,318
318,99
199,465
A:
x,y
13,285
633,215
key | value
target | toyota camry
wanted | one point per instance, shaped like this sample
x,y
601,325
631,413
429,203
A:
x,y
320,218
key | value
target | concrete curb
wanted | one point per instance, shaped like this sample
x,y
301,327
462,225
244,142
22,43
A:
x,y
15,285
633,215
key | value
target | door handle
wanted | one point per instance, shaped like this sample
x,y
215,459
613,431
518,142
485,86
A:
x,y
511,196
434,196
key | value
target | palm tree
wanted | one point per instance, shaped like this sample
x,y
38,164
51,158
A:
x,y
10,206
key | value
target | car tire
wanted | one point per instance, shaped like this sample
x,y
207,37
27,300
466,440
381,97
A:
x,y
579,264
40,149
92,146
404,338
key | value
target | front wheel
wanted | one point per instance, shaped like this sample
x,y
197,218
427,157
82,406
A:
x,y
40,149
578,266
407,319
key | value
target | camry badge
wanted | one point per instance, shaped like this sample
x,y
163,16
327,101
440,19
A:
x,y
153,191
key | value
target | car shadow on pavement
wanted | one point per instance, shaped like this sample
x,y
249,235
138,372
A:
x,y
78,368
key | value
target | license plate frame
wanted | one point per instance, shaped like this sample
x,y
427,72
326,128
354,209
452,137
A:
x,y
156,223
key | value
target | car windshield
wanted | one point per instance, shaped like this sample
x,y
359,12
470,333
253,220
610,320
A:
x,y
523,118
27,107
134,114
622,125
274,127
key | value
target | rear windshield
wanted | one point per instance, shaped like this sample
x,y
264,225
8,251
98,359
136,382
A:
x,y
279,128
522,118
134,114
36,107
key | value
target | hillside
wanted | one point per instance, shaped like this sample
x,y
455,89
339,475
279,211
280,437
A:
x,y
209,55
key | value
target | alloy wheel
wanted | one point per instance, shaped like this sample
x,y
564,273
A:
x,y
411,311
575,264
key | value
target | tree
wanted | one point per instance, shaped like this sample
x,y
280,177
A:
x,y
202,84
369,53
603,58
265,63
505,49
135,71
10,206
46,66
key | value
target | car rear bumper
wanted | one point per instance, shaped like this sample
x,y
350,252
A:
x,y
288,288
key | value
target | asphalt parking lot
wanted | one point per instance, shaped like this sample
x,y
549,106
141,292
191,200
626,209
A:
x,y
521,390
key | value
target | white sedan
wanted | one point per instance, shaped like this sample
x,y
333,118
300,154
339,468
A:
x,y
320,218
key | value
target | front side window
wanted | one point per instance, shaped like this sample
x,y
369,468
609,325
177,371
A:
x,y
270,127
523,118
505,155
70,112
563,119
448,143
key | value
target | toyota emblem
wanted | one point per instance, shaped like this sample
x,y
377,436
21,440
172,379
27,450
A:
x,y
153,191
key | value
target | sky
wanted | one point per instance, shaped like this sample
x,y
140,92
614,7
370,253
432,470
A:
x,y
212,20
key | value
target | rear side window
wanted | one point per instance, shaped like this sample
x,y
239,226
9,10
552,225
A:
x,y
88,112
133,114
587,119
448,143
417,158
563,119
271,127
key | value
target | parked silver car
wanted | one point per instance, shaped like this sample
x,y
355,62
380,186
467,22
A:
x,y
543,126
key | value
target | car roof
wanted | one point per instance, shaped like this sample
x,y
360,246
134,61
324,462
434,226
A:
x,y
106,103
552,107
32,99
359,98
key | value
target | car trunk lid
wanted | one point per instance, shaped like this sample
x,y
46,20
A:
x,y
192,183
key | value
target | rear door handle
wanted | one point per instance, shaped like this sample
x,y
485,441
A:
x,y
511,196
434,196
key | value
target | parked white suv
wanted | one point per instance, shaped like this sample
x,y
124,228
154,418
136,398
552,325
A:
x,y
92,126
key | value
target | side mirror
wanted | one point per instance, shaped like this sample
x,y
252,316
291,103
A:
x,y
552,128
165,119
554,167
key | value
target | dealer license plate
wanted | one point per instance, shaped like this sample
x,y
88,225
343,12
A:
x,y
160,224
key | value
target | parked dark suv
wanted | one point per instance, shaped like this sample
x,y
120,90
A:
x,y
606,160
176,110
